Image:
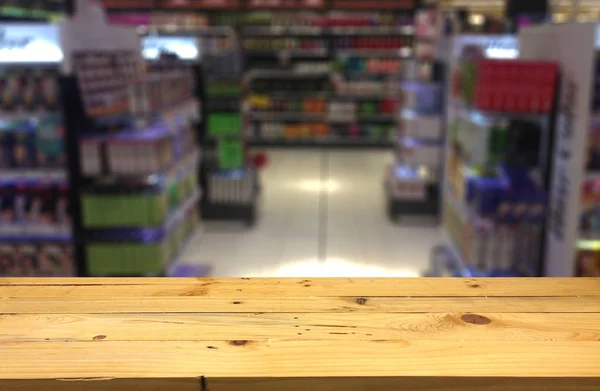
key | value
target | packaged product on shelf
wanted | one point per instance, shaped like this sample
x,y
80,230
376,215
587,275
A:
x,y
23,149
91,156
50,142
419,153
587,263
48,91
36,259
10,87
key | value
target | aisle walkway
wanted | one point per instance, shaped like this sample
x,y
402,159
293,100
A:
x,y
322,214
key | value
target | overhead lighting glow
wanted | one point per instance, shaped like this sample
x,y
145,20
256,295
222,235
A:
x,y
477,19
501,53
317,186
184,47
339,268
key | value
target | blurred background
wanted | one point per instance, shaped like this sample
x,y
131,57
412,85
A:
x,y
299,138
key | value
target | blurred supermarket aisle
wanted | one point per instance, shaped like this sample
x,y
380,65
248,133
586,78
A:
x,y
322,214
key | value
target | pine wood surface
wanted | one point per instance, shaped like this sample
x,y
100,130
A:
x,y
293,334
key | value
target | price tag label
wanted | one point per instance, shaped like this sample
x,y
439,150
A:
x,y
410,190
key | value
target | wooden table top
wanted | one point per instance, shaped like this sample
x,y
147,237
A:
x,y
262,334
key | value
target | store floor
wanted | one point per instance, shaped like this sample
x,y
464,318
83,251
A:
x,y
322,214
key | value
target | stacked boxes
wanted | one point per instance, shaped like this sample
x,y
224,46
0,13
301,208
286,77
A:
x,y
515,86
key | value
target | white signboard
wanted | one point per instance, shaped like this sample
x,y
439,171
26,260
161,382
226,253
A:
x,y
556,43
185,48
88,31
30,43
495,46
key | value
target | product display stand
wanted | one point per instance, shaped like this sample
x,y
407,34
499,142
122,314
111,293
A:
x,y
572,229
133,155
412,182
325,77
35,209
500,127
229,182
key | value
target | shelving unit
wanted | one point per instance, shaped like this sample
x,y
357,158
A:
x,y
35,210
413,180
45,10
293,37
331,74
572,246
230,183
133,159
498,150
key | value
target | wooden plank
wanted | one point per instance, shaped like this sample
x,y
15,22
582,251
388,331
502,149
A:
x,y
404,384
195,304
261,359
258,287
312,384
301,326
98,384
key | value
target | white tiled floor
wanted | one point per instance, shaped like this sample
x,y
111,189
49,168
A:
x,y
322,214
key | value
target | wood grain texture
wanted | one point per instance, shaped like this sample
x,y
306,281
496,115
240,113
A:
x,y
299,326
300,334
265,359
323,287
305,304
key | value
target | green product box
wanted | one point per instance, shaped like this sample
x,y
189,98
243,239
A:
x,y
224,124
231,154
104,211
223,89
127,259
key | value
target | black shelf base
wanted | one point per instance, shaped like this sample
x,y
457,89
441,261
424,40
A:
x,y
430,207
230,212
398,208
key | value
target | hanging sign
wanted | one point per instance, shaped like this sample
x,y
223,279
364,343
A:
x,y
184,47
30,43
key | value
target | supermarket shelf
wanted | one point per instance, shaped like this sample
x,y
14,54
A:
x,y
285,74
178,268
34,176
288,52
281,30
160,179
411,114
413,142
28,235
484,118
372,30
391,53
357,74
328,95
367,96
321,117
227,210
421,173
349,142
285,116
447,262
146,234
294,94
336,31
9,118
209,31
591,176
364,118
412,191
